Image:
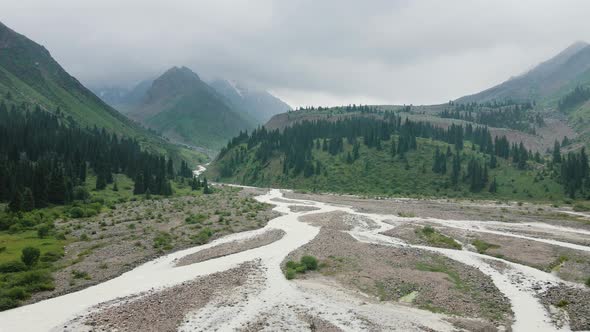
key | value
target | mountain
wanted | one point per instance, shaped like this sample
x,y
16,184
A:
x,y
370,151
546,82
28,74
123,99
256,103
187,110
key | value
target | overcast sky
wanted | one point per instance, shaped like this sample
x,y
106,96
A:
x,y
308,52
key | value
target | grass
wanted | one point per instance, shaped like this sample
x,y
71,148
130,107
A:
x,y
555,265
15,243
439,267
482,246
436,239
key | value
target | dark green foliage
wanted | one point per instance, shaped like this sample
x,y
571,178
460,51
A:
x,y
310,262
506,114
306,263
50,166
43,231
30,256
578,96
12,266
575,172
297,142
556,153
493,186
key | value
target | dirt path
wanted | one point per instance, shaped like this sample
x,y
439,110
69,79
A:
x,y
279,304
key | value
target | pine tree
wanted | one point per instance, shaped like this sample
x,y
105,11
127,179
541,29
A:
x,y
16,203
493,186
456,170
101,181
556,153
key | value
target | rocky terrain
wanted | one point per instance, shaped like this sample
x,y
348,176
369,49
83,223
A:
x,y
382,264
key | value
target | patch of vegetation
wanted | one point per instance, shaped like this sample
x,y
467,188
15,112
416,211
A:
x,y
558,262
562,304
80,275
436,239
195,218
581,207
306,263
482,246
588,282
440,267
163,241
203,236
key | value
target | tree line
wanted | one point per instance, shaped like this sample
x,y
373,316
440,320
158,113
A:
x,y
46,160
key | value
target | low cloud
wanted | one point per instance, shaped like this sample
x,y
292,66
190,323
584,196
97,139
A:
x,y
307,52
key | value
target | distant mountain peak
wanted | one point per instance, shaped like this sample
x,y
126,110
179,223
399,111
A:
x,y
180,73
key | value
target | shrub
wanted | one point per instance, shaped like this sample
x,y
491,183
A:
x,y
7,303
163,241
81,193
203,236
13,266
307,263
80,274
30,256
588,282
77,212
43,231
51,256
310,262
428,230
33,281
17,293
290,274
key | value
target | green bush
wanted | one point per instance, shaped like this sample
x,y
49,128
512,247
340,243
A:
x,y
17,293
290,274
51,256
13,266
33,281
43,231
7,303
77,212
292,265
203,236
306,263
81,193
428,230
310,262
588,282
30,256
163,241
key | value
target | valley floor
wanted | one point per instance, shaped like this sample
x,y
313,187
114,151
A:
x,y
395,265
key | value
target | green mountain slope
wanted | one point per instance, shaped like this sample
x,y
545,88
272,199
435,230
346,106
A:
x,y
372,154
184,108
29,74
257,104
